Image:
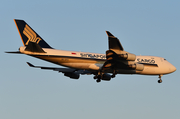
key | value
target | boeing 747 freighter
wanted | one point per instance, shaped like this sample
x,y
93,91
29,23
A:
x,y
102,66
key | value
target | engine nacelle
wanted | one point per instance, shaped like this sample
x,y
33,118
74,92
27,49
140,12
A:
x,y
128,56
106,77
72,75
110,54
136,66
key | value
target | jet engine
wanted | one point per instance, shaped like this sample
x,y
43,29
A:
x,y
128,56
72,75
137,66
106,77
110,54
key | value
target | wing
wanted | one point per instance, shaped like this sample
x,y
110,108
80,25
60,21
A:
x,y
69,72
114,42
112,57
117,58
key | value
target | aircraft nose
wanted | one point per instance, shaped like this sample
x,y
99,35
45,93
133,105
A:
x,y
172,68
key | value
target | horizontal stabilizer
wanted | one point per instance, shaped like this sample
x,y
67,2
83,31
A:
x,y
34,47
30,64
15,52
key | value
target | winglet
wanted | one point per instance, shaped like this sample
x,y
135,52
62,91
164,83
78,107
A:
x,y
15,52
108,33
34,47
31,65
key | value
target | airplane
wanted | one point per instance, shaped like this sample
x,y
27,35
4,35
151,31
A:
x,y
102,66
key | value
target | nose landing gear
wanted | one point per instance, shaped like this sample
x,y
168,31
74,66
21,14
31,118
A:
x,y
160,81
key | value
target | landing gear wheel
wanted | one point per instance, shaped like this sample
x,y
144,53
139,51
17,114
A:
x,y
99,76
98,80
112,76
95,77
159,81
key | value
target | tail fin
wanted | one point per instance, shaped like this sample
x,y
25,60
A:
x,y
29,35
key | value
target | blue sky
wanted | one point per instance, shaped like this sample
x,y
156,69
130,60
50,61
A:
x,y
143,27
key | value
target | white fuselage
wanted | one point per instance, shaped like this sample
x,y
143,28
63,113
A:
x,y
93,61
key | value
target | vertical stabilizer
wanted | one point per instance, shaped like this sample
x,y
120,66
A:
x,y
29,35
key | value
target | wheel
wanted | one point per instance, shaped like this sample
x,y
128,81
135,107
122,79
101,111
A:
x,y
95,77
160,81
98,80
112,76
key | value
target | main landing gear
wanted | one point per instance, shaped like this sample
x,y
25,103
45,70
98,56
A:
x,y
114,74
98,78
160,81
103,76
